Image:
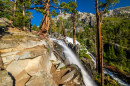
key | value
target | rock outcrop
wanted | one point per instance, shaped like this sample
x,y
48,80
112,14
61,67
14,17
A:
x,y
30,61
119,11
27,59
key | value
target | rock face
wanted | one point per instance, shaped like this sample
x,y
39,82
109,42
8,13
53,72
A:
x,y
86,18
119,11
28,61
75,48
89,18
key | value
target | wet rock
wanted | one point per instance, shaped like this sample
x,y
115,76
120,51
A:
x,y
75,48
89,65
5,79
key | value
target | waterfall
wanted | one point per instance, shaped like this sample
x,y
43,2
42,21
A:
x,y
122,83
71,57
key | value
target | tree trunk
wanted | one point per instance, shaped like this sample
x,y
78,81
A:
x,y
63,28
102,74
95,47
74,15
24,13
46,19
14,8
99,47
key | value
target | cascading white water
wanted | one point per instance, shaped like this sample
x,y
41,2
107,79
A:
x,y
74,60
71,57
122,83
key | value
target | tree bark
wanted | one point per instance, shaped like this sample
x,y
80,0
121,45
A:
x,y
63,28
46,19
99,46
14,8
24,13
74,15
99,59
102,74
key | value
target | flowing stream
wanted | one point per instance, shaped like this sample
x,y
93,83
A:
x,y
71,57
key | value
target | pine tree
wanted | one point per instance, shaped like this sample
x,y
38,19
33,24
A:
x,y
44,8
61,20
103,6
71,8
122,55
23,4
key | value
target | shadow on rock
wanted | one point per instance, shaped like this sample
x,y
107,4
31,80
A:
x,y
3,31
12,78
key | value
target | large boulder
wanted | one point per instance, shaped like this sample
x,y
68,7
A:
x,y
16,67
6,79
37,64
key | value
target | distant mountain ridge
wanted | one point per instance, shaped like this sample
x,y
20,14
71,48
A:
x,y
90,19
119,11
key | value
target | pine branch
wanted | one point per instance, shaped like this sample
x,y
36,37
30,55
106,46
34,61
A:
x,y
34,8
56,7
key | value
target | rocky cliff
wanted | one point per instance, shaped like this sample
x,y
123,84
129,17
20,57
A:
x,y
90,19
27,60
118,11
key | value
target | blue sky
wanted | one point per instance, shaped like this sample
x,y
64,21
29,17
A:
x,y
83,6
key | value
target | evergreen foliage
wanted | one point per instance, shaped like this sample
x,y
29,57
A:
x,y
34,27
